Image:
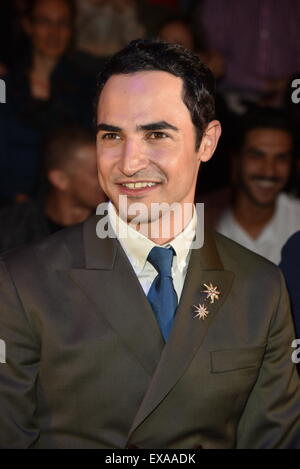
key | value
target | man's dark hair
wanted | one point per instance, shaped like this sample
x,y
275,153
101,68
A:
x,y
59,146
58,149
262,118
156,55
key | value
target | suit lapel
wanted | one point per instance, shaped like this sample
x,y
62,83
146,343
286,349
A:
x,y
110,283
188,332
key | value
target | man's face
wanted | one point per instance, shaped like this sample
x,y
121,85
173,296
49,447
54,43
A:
x,y
83,178
146,136
50,28
264,164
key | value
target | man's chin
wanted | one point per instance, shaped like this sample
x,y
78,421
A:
x,y
140,213
138,217
262,200
264,203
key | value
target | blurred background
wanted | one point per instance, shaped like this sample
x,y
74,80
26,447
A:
x,y
51,52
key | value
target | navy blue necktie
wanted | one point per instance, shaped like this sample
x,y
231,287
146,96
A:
x,y
162,295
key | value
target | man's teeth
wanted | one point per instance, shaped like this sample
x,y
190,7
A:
x,y
139,185
266,184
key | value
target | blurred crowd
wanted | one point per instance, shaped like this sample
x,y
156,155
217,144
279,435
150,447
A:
x,y
51,52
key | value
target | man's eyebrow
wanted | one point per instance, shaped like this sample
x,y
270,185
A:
x,y
254,150
161,125
108,127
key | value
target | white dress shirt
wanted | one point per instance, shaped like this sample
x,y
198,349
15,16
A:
x,y
284,223
137,248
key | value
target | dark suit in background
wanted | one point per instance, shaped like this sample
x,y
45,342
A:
x,y
290,265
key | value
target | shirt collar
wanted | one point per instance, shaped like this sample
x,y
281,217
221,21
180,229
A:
x,y
137,246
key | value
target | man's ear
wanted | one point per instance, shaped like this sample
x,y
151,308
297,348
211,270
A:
x,y
209,140
58,178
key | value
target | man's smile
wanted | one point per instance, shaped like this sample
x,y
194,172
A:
x,y
138,187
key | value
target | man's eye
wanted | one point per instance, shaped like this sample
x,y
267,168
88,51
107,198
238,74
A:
x,y
284,157
254,155
157,135
110,136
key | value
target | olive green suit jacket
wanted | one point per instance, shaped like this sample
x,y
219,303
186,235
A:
x,y
86,365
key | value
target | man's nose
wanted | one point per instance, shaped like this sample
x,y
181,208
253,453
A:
x,y
55,27
133,158
269,168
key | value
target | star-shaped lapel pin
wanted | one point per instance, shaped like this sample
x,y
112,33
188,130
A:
x,y
201,311
212,292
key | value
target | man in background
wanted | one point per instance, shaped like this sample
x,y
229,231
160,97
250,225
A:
x,y
70,186
256,212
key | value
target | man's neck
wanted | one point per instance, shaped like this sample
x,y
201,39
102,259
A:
x,y
166,227
43,66
252,217
62,210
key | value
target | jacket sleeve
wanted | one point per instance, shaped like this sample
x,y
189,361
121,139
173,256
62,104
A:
x,y
18,374
271,418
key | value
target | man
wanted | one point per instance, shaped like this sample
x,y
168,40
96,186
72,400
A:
x,y
258,214
73,192
92,362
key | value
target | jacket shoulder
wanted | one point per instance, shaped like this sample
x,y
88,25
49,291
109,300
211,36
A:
x,y
241,260
59,251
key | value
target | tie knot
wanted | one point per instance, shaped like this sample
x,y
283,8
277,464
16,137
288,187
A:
x,y
161,259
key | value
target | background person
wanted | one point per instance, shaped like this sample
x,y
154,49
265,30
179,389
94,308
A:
x,y
258,41
255,212
70,192
45,90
